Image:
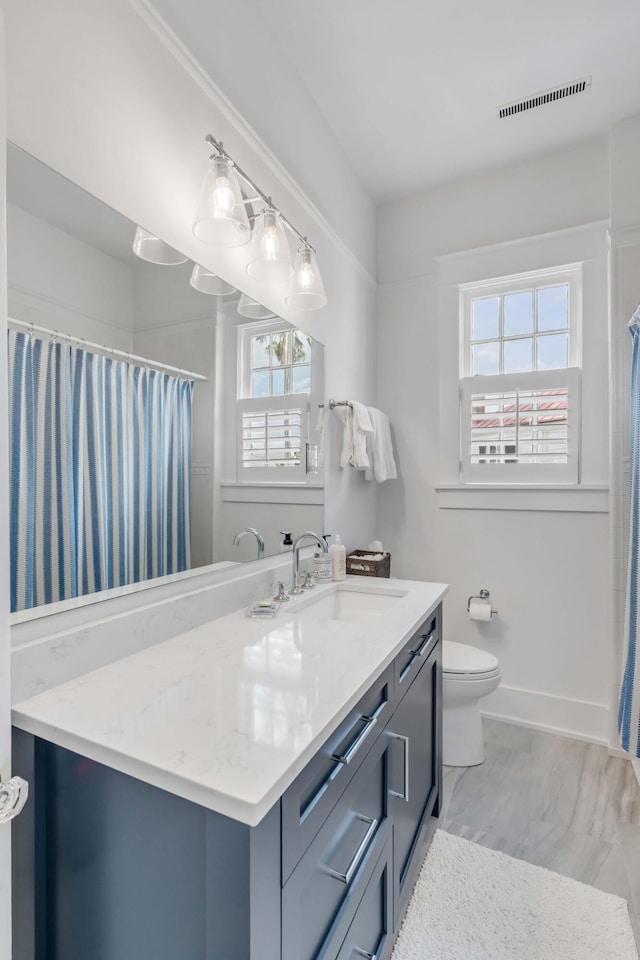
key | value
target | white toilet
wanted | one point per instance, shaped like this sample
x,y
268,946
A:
x,y
468,674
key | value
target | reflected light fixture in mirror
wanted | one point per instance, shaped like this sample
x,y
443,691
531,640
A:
x,y
306,291
270,253
207,282
154,250
221,217
253,310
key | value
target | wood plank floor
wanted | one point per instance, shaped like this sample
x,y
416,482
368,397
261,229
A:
x,y
555,802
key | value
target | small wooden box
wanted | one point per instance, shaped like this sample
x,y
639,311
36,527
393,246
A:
x,y
368,568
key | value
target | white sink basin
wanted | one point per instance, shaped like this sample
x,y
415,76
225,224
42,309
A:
x,y
349,604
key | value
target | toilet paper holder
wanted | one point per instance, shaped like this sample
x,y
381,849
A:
x,y
482,595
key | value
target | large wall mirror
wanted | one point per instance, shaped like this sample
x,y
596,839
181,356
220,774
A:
x,y
161,422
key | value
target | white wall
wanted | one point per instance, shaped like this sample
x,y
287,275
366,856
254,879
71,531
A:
x,y
547,570
115,108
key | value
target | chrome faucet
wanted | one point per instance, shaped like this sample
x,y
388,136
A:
x,y
250,530
308,535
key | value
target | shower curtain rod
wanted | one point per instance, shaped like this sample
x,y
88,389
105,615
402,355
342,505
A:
x,y
101,348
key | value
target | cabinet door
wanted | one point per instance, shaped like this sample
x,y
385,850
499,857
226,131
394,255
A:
x,y
415,770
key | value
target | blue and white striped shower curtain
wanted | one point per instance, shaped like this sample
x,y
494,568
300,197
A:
x,y
629,711
100,472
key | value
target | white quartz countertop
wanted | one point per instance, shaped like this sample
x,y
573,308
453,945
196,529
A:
x,y
229,713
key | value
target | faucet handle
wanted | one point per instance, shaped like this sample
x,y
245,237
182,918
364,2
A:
x,y
281,596
308,581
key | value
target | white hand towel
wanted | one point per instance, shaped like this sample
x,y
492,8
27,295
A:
x,y
381,447
362,428
345,414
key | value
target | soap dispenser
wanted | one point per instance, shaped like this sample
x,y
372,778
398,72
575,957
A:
x,y
287,544
338,559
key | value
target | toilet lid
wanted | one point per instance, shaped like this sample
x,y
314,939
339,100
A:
x,y
461,658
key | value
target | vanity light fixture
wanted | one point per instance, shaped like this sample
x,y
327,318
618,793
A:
x,y
306,291
253,310
222,218
154,250
207,282
270,254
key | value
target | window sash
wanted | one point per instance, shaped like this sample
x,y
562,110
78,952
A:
x,y
518,419
273,427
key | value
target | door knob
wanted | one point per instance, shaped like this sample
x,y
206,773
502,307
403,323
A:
x,y
13,796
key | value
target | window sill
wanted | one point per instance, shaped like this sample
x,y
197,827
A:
x,y
563,498
266,492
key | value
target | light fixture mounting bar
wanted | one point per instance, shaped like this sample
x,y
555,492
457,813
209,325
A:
x,y
260,195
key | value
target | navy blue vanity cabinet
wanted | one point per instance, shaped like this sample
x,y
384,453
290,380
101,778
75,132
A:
x,y
109,867
416,766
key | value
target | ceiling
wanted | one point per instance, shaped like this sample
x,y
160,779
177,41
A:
x,y
410,87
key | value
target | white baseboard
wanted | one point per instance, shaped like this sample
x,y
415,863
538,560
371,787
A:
x,y
577,719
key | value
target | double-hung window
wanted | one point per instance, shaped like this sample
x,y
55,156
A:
x,y
275,372
520,378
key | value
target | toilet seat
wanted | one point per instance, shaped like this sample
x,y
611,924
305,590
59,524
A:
x,y
463,662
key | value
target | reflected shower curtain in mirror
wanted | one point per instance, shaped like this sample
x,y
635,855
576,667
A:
x,y
629,710
100,472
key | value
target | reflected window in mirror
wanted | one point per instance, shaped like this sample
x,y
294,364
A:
x,y
275,387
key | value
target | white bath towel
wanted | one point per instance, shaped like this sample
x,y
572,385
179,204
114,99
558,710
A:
x,y
362,431
381,448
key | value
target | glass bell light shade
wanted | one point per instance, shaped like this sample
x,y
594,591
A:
x,y
207,282
221,217
270,256
154,250
253,310
306,291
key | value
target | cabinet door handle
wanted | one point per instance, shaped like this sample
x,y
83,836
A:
x,y
364,953
360,852
405,793
422,649
349,754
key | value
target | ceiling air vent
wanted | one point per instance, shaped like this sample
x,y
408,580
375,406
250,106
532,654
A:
x,y
547,96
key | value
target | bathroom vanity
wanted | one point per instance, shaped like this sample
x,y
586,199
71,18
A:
x,y
249,789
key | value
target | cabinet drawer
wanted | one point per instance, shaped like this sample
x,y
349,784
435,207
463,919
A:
x,y
320,897
415,653
371,929
311,797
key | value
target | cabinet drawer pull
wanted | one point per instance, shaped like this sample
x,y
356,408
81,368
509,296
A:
x,y
405,793
350,752
360,852
422,649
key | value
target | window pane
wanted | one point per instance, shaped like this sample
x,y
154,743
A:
x,y
277,383
486,318
260,384
260,348
552,351
518,313
553,307
280,349
486,358
518,356
301,347
301,379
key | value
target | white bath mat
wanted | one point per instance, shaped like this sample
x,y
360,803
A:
x,y
471,903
